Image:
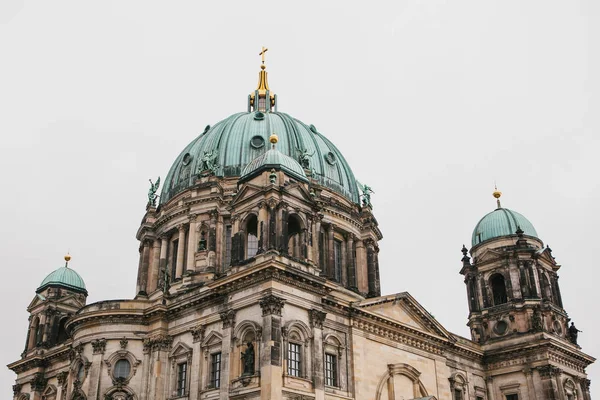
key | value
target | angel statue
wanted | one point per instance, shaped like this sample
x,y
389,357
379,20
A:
x,y
208,162
366,194
304,157
152,196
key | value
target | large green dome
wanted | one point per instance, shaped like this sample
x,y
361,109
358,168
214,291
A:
x,y
230,145
65,277
501,222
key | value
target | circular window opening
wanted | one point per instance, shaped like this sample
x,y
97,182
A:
x,y
501,327
330,158
257,142
259,116
557,327
187,159
122,369
313,129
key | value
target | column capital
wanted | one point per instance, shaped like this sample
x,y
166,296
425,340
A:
x,y
98,346
228,318
271,305
181,227
316,318
198,333
192,217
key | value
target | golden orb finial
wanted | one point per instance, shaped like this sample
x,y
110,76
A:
x,y
497,194
273,138
67,259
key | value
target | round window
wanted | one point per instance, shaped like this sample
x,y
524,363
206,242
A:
x,y
557,328
330,158
259,116
187,159
501,327
122,369
257,142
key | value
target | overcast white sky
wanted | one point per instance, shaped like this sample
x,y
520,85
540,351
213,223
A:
x,y
430,102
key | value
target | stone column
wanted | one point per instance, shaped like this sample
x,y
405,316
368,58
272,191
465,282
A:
x,y
489,383
317,242
43,327
145,267
272,229
361,267
98,349
192,244
271,349
350,262
316,319
154,266
146,373
330,258
220,244
228,318
344,263
180,251
159,345
371,272
196,365
530,386
585,389
164,256
62,378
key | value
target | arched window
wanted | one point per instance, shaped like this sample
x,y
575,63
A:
x,y
252,236
294,237
62,331
498,289
122,369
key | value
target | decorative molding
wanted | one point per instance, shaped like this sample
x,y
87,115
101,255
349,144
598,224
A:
x,y
198,333
123,343
271,305
548,371
228,318
38,383
17,389
316,318
98,346
158,343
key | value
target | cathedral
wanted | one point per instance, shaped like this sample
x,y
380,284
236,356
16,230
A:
x,y
258,278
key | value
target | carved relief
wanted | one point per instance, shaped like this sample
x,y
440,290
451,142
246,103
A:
x,y
316,318
98,346
271,305
228,318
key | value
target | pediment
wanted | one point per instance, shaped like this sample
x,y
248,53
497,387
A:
x,y
298,190
489,255
212,338
403,309
247,190
546,255
180,349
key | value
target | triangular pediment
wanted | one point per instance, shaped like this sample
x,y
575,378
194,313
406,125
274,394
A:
x,y
179,349
489,255
403,309
247,191
546,255
212,338
298,190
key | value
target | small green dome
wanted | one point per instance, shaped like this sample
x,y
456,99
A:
x,y
276,160
65,277
501,222
230,145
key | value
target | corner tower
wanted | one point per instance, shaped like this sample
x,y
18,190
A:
x,y
515,306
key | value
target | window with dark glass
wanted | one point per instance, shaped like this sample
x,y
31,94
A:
x,y
331,378
80,373
122,369
294,359
252,232
513,396
337,260
458,394
479,398
181,378
498,289
215,370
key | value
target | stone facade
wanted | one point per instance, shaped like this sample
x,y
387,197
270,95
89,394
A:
x,y
269,289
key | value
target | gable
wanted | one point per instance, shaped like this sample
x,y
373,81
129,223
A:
x,y
403,309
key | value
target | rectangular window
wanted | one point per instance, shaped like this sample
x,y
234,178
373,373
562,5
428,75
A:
x,y
458,394
294,359
227,262
331,378
181,378
479,398
513,396
215,370
337,260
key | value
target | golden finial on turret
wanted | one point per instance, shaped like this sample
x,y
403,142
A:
x,y
497,194
67,259
273,139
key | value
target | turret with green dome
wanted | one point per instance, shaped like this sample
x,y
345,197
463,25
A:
x,y
64,277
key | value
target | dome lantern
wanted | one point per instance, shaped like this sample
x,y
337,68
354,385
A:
x,y
262,99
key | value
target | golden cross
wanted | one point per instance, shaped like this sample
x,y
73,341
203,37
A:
x,y
262,53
